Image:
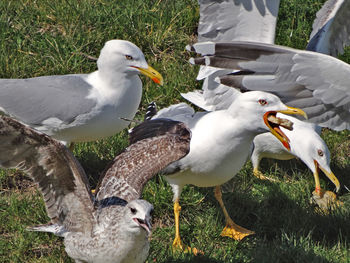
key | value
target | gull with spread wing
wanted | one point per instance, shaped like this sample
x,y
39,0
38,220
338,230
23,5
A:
x,y
114,226
306,80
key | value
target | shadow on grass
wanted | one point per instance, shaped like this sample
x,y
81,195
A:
x,y
287,230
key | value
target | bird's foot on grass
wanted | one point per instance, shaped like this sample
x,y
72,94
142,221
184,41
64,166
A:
x,y
235,231
260,176
326,200
178,246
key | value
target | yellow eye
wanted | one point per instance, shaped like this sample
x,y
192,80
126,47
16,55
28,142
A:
x,y
262,102
320,152
128,57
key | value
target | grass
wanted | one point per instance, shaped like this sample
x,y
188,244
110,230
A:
x,y
45,37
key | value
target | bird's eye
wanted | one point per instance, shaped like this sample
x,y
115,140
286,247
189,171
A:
x,y
262,102
133,210
320,152
128,57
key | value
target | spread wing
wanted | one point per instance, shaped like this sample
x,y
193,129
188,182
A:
x,y
331,28
244,20
54,169
224,21
315,82
131,169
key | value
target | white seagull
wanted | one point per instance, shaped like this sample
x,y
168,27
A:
x,y
220,145
309,148
289,76
82,107
115,226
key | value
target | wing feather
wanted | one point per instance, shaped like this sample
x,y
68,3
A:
x,y
321,79
244,20
54,169
131,169
331,28
35,100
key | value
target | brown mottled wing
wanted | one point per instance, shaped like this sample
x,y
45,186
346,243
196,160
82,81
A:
x,y
154,128
54,169
139,162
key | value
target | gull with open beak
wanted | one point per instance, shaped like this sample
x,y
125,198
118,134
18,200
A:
x,y
312,81
305,144
113,226
220,145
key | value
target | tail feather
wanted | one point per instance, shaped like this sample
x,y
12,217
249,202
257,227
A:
x,y
151,111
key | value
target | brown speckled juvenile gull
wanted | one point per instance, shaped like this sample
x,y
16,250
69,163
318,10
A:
x,y
114,227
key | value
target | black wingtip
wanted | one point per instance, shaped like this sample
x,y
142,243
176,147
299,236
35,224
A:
x,y
157,127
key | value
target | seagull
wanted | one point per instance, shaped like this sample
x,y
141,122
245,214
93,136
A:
x,y
323,95
115,225
309,148
220,145
312,81
82,107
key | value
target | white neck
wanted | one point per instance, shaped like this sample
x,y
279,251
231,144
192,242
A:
x,y
110,87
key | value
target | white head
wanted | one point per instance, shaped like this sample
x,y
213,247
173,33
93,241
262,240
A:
x,y
121,56
314,152
138,216
256,108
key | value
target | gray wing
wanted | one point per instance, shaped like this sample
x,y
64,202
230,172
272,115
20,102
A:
x,y
230,20
131,169
315,82
35,100
54,169
331,28
213,96
244,20
180,112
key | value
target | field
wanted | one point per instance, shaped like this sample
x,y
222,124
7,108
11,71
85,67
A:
x,y
44,37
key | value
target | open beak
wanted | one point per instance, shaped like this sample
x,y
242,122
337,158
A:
x,y
151,73
145,224
274,126
329,174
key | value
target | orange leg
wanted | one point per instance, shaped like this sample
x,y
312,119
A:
x,y
231,229
260,176
177,243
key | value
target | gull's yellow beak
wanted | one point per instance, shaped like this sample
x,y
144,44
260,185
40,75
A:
x,y
275,128
291,110
152,73
330,175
